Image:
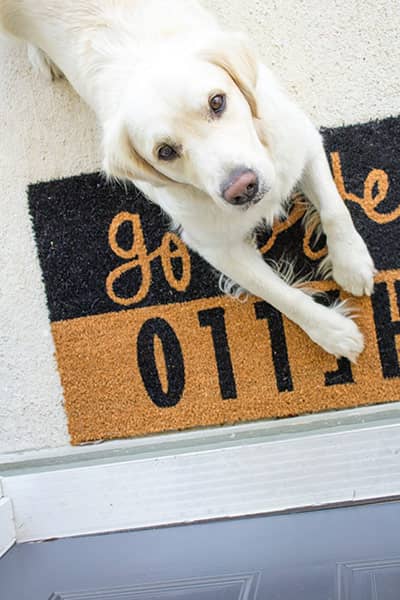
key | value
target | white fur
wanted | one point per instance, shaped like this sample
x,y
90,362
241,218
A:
x,y
148,67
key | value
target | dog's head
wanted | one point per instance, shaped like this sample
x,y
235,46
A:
x,y
191,118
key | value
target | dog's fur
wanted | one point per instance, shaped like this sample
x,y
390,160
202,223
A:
x,y
148,69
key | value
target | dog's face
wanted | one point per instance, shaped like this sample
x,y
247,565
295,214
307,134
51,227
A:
x,y
193,121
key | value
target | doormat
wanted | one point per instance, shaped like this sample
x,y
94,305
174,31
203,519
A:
x,y
146,341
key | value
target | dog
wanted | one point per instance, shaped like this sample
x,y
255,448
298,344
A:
x,y
193,118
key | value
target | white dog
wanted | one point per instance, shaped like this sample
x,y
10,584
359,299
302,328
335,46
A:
x,y
203,129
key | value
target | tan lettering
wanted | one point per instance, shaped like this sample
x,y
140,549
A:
x,y
139,258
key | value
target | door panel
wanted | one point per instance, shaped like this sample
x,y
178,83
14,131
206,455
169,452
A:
x,y
371,580
338,554
208,588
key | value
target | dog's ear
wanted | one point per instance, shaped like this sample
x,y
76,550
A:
x,y
122,160
233,53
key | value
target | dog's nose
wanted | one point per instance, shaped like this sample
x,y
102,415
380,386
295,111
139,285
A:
x,y
241,187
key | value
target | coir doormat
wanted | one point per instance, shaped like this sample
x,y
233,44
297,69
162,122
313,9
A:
x,y
145,340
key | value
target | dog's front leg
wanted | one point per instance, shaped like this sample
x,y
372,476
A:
x,y
327,326
348,256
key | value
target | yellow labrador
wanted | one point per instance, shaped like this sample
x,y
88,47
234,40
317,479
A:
x,y
192,117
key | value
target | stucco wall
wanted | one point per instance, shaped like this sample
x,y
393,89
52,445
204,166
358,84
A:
x,y
339,59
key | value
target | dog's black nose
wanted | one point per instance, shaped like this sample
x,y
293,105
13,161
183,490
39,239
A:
x,y
241,187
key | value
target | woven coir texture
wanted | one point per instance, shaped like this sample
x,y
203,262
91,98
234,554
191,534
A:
x,y
146,342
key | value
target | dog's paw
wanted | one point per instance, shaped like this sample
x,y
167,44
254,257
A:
x,y
352,267
337,334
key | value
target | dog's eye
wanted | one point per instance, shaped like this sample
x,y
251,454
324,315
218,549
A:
x,y
167,153
218,103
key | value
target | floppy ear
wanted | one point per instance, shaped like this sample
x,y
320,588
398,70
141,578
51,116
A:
x,y
121,159
233,53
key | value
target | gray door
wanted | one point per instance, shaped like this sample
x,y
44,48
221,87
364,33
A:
x,y
342,554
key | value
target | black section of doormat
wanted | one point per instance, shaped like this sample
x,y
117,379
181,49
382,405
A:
x,y
71,219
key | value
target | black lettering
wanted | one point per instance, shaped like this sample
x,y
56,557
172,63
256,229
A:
x,y
386,329
280,357
173,361
215,318
343,373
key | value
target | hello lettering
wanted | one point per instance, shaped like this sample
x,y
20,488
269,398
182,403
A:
x,y
376,187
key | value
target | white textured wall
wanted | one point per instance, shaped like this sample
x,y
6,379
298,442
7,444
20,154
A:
x,y
339,58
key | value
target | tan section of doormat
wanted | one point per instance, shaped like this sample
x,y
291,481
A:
x,y
145,340
274,369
